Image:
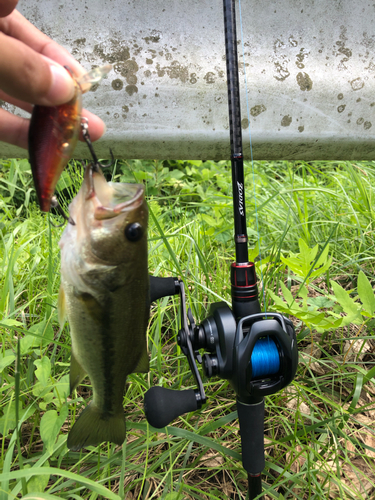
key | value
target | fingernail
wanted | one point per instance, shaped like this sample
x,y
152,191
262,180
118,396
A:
x,y
62,86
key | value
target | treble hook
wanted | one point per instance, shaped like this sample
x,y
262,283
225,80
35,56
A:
x,y
55,204
87,138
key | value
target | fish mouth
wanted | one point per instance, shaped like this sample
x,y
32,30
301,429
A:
x,y
111,199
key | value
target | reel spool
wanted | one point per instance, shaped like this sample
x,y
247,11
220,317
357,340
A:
x,y
265,358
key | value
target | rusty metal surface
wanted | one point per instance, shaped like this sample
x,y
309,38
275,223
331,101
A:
x,y
310,73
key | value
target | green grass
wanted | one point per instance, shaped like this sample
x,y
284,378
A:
x,y
319,432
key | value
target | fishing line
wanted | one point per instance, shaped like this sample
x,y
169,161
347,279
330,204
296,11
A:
x,y
265,358
252,161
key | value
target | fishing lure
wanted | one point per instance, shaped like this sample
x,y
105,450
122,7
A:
x,y
53,135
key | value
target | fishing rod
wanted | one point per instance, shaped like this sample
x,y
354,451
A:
x,y
255,351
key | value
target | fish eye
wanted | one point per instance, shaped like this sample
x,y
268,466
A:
x,y
134,231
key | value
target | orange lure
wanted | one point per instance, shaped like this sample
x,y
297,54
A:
x,y
53,135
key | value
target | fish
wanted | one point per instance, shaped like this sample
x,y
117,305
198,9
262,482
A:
x,y
53,136
104,294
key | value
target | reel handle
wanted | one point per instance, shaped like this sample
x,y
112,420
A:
x,y
163,287
163,405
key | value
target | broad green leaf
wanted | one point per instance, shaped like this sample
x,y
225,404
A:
x,y
254,252
322,264
305,258
61,388
210,220
320,302
8,420
38,483
301,264
350,307
27,343
141,175
10,322
209,232
366,293
286,293
176,174
43,331
47,399
350,319
319,320
279,302
64,181
50,426
6,361
303,292
311,318
42,391
43,370
308,253
173,496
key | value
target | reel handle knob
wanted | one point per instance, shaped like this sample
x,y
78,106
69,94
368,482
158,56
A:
x,y
163,405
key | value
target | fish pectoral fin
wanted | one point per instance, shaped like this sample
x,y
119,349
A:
x,y
143,365
93,427
61,307
93,307
77,373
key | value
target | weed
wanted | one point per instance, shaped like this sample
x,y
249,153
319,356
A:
x,y
316,241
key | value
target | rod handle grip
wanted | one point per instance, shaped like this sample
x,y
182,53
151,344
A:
x,y
251,419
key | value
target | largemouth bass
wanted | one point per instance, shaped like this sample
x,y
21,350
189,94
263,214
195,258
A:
x,y
105,295
53,136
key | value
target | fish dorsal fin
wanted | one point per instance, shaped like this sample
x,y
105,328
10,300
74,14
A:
x,y
77,373
61,307
143,365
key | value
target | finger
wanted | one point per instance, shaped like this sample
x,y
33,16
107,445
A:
x,y
16,102
7,6
96,125
20,28
26,75
15,130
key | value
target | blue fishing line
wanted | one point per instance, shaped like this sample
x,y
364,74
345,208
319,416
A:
x,y
252,160
265,358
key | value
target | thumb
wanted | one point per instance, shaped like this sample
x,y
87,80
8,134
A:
x,y
7,6
31,77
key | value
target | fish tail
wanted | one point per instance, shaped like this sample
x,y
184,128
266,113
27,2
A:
x,y
93,427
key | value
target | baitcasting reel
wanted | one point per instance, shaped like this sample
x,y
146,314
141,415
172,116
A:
x,y
257,354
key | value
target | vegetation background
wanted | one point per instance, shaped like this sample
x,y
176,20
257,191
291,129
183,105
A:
x,y
311,231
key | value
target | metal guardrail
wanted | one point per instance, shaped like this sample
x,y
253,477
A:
x,y
310,72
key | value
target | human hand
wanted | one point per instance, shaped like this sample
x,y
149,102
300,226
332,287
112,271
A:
x,y
32,72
